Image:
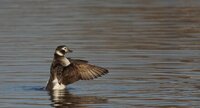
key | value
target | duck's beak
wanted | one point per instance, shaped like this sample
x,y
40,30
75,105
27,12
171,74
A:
x,y
69,50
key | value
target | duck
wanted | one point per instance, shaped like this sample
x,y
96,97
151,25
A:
x,y
65,71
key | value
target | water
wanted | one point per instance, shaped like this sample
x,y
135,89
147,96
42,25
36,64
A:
x,y
150,47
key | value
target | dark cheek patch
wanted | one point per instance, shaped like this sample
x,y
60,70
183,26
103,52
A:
x,y
62,51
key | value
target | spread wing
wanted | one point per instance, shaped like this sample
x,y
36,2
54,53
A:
x,y
77,60
81,71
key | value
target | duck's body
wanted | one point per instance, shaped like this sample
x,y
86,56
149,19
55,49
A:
x,y
65,71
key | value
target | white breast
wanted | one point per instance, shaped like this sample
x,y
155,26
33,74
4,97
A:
x,y
57,86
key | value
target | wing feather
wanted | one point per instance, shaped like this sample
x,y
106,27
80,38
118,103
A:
x,y
78,70
81,71
77,60
89,71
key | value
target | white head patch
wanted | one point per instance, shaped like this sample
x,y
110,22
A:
x,y
65,49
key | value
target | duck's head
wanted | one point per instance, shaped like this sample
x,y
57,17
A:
x,y
62,50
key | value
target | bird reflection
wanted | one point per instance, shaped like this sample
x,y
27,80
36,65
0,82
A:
x,y
64,99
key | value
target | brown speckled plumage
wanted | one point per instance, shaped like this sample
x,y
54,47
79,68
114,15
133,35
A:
x,y
72,72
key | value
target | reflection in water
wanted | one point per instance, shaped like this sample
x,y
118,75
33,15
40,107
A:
x,y
63,99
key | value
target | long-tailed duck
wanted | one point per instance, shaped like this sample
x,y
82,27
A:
x,y
65,71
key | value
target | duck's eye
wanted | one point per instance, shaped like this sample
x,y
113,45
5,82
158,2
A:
x,y
64,48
